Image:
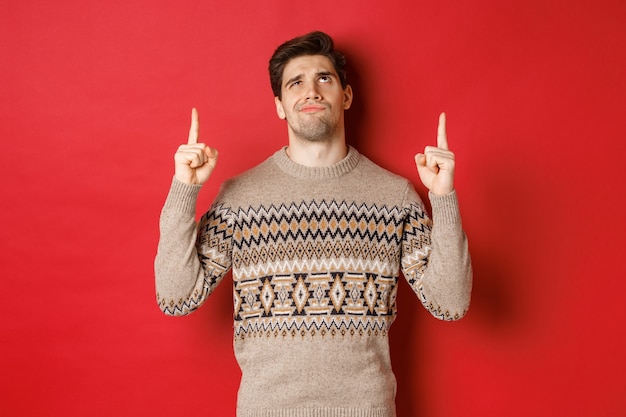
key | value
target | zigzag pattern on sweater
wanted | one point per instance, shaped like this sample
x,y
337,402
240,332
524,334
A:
x,y
283,258
322,236
215,234
340,263
307,221
213,276
313,326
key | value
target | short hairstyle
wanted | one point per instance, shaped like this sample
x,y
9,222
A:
x,y
314,43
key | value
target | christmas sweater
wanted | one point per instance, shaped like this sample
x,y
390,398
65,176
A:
x,y
316,255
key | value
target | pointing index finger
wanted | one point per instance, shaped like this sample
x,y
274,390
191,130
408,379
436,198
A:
x,y
442,137
194,128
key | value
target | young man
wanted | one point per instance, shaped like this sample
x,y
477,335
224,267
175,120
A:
x,y
315,236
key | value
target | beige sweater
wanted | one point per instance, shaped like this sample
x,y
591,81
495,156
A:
x,y
315,255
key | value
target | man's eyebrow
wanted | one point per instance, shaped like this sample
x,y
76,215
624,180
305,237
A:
x,y
293,79
317,74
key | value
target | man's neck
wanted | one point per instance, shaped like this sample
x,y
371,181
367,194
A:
x,y
316,154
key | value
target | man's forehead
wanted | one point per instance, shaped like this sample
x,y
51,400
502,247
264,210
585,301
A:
x,y
308,64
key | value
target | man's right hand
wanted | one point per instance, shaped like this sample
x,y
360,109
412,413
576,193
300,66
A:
x,y
194,161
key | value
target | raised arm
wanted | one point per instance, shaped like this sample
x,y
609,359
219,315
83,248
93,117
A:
x,y
187,269
438,264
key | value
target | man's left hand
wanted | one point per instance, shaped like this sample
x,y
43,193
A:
x,y
436,165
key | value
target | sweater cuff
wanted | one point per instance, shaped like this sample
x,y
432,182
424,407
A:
x,y
182,197
445,208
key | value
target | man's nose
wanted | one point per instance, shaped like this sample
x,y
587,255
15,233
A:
x,y
312,92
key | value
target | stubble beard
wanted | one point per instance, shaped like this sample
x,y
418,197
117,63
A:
x,y
313,130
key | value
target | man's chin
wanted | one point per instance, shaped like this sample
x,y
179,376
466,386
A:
x,y
318,132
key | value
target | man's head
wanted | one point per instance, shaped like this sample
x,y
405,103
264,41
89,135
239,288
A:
x,y
314,43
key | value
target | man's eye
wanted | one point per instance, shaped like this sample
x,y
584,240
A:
x,y
295,83
325,79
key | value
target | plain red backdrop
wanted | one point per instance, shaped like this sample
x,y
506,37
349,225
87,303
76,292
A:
x,y
95,98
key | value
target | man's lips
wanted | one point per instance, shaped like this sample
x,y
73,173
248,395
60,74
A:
x,y
312,108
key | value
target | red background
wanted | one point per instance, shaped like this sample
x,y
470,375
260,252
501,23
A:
x,y
96,96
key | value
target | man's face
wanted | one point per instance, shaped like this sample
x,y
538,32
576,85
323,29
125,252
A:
x,y
313,100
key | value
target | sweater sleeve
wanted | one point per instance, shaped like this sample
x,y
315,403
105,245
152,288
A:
x,y
435,258
191,258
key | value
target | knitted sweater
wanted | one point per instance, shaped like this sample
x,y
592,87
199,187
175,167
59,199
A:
x,y
315,255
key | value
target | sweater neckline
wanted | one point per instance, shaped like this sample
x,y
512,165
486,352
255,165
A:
x,y
294,169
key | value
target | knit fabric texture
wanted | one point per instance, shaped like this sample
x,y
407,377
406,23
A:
x,y
315,255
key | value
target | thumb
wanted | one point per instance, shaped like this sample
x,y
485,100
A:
x,y
210,152
420,160
425,174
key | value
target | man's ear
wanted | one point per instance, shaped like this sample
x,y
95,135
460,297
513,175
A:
x,y
347,97
280,111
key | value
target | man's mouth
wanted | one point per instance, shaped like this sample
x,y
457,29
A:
x,y
312,108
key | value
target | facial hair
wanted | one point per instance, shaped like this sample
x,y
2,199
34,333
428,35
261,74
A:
x,y
312,129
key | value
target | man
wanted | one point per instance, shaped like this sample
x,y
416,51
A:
x,y
315,237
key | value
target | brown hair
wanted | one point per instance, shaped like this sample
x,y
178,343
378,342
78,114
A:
x,y
314,43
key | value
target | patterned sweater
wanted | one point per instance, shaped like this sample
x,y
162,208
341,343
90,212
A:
x,y
315,255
